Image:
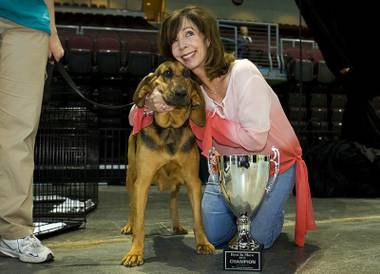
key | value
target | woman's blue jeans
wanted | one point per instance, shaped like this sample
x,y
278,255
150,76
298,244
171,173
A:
x,y
220,223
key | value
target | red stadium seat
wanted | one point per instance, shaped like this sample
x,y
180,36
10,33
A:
x,y
80,54
108,55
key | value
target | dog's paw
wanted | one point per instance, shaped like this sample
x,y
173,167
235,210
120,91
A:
x,y
179,230
127,229
205,249
133,259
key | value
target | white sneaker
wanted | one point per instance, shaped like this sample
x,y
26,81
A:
x,y
28,250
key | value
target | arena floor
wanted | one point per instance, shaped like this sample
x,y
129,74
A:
x,y
347,241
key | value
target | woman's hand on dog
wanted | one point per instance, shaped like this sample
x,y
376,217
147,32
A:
x,y
155,102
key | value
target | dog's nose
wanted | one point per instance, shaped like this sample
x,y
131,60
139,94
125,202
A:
x,y
180,92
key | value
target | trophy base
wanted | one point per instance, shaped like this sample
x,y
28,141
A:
x,y
246,260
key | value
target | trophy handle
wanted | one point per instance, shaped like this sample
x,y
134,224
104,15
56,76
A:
x,y
276,161
211,162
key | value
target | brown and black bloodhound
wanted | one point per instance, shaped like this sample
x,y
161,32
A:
x,y
165,153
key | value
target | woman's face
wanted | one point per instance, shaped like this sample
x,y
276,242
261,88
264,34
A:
x,y
190,46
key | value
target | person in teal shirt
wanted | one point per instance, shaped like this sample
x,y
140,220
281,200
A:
x,y
28,37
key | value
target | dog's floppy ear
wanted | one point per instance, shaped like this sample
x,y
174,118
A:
x,y
198,112
144,88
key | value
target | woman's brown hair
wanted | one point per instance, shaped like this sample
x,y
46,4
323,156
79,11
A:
x,y
217,61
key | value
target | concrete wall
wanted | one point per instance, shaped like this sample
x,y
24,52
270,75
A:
x,y
135,5
268,11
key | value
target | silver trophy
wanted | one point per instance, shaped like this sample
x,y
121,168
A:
x,y
244,182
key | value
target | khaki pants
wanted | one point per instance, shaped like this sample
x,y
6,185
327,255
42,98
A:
x,y
23,57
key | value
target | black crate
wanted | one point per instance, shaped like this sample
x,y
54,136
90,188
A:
x,y
66,155
113,150
66,169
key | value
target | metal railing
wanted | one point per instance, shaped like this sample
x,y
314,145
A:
x,y
294,43
264,50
